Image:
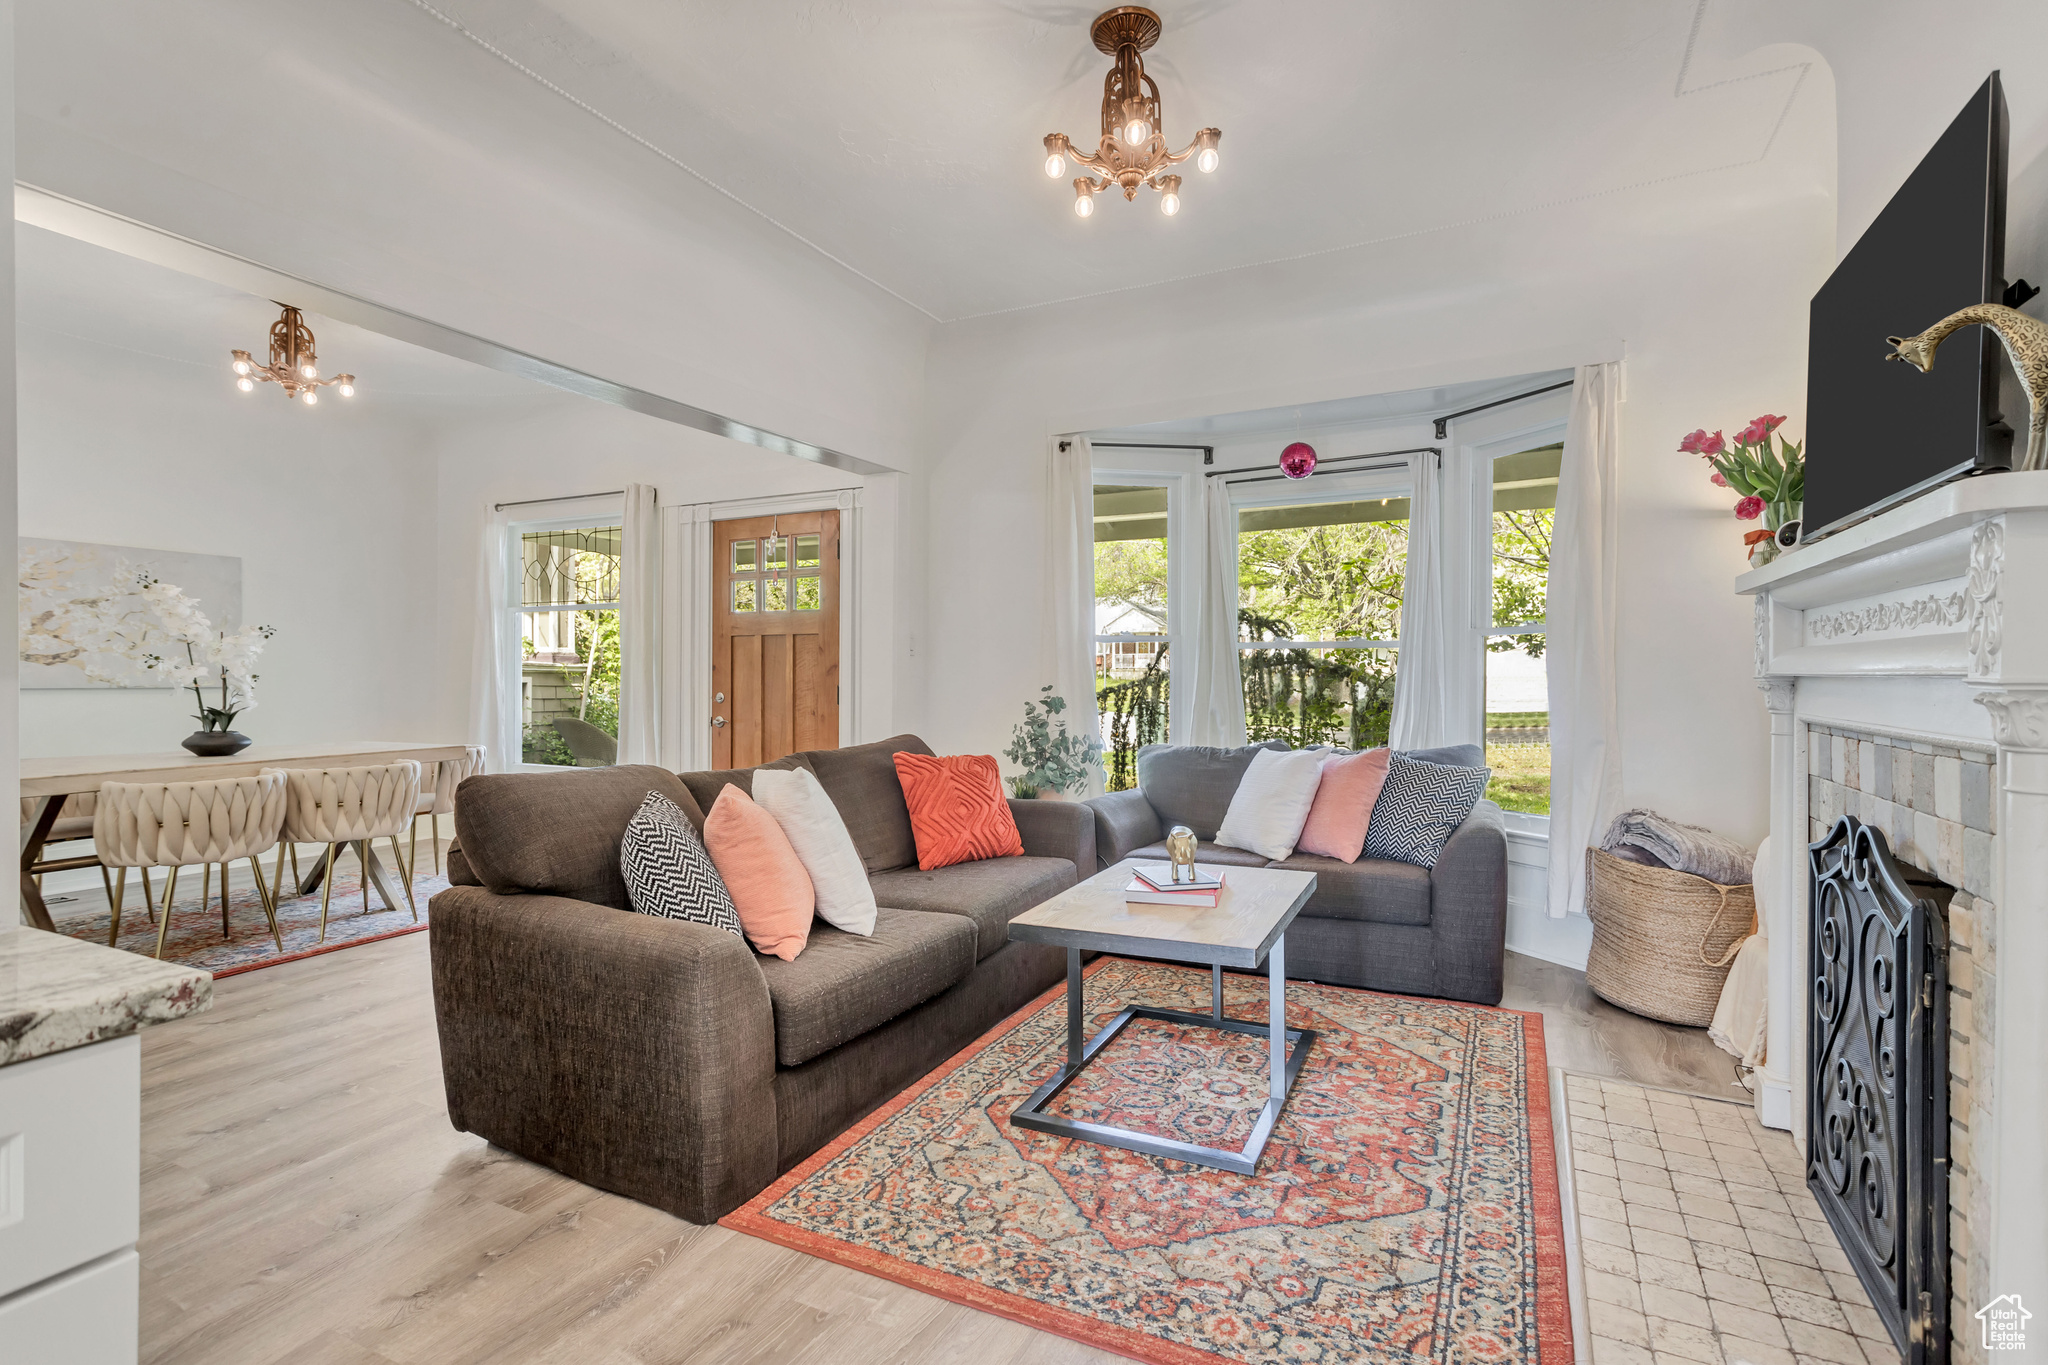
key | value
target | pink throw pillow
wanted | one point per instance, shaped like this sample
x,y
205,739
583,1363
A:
x,y
769,886
1343,805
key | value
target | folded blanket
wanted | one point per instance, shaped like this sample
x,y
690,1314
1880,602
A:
x,y
1687,848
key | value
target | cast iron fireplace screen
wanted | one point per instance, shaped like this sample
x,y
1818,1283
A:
x,y
1877,1079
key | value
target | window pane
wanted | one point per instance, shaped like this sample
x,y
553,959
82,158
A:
x,y
1517,691
1518,725
743,594
807,552
775,595
743,556
810,595
775,552
1322,571
569,567
1132,680
571,704
1318,696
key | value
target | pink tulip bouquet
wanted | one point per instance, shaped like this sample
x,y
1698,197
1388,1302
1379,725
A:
x,y
1766,471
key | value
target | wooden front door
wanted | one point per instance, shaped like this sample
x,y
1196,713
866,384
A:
x,y
775,637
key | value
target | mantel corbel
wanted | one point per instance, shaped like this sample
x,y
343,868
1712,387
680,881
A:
x,y
2019,717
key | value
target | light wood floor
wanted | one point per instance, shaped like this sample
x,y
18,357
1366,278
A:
x,y
305,1202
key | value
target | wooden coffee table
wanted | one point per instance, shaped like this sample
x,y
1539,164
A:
x,y
1247,926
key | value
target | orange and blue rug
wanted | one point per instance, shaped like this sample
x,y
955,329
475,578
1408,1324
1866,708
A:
x,y
1406,1207
195,938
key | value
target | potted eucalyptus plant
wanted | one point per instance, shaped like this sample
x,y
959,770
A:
x,y
1052,760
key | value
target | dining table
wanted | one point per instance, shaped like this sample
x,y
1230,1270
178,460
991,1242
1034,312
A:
x,y
47,781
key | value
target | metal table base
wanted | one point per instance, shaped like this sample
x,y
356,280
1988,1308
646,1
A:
x,y
1287,1047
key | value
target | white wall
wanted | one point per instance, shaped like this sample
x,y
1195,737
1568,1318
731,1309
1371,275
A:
x,y
331,512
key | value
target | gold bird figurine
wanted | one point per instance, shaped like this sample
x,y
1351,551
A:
x,y
2025,340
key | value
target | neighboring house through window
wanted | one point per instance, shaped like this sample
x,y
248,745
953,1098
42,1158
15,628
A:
x,y
568,625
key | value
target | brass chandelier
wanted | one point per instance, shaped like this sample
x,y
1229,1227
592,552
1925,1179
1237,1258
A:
x,y
1133,147
293,364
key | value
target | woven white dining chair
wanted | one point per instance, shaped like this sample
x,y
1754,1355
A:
x,y
337,806
448,775
177,824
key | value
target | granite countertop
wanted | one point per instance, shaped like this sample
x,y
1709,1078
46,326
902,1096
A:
x,y
58,993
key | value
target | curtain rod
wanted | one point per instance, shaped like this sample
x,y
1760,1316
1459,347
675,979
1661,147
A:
x,y
1443,423
1340,459
1208,452
573,497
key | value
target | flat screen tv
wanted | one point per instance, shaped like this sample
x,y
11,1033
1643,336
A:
x,y
1880,432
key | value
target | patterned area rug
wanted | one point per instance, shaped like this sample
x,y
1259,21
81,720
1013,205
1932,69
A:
x,y
1405,1208
195,937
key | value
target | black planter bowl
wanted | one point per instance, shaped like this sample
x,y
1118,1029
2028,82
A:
x,y
217,743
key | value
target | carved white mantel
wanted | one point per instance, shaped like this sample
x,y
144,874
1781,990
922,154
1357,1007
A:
x,y
1929,622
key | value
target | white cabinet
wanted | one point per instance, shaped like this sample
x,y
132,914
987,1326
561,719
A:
x,y
70,1198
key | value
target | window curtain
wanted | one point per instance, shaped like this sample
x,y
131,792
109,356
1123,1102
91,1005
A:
x,y
1069,647
1422,678
494,684
1216,713
640,627
1580,621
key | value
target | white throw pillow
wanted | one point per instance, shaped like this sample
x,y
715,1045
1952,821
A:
x,y
1272,802
822,845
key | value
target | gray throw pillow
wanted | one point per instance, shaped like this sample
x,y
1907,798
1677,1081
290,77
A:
x,y
1191,784
1420,807
668,871
1450,755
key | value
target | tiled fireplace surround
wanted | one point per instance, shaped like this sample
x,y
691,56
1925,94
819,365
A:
x,y
1933,803
1904,666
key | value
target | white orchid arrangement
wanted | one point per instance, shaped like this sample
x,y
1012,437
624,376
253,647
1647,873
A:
x,y
145,621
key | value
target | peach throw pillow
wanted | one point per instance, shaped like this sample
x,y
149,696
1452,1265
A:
x,y
769,886
1343,806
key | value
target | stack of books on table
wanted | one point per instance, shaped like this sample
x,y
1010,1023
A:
x,y
1153,884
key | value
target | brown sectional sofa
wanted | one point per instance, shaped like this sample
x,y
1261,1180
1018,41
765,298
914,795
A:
x,y
668,1061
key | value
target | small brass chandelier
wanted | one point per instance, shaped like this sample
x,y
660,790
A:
x,y
293,365
1133,147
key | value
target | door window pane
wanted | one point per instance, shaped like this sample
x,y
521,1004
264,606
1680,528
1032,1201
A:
x,y
775,552
1517,688
743,594
809,594
743,556
807,552
774,594
1132,684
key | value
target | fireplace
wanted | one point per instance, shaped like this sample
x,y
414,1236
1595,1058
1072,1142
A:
x,y
1904,666
1877,1129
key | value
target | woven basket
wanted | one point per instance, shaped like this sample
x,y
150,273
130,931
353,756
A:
x,y
1662,940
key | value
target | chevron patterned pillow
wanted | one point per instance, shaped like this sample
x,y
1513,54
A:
x,y
1420,807
668,872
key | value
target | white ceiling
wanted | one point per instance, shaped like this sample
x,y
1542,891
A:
x,y
69,288
1379,409
903,139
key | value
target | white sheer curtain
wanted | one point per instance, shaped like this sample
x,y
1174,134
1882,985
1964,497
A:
x,y
1070,587
1422,679
1216,713
1580,623
494,683
639,627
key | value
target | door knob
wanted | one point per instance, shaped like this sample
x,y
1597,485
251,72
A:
x,y
719,698
718,722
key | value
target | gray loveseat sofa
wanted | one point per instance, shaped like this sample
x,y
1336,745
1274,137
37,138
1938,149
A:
x,y
668,1061
1381,925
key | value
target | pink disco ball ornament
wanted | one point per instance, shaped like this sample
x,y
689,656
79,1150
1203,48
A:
x,y
1298,461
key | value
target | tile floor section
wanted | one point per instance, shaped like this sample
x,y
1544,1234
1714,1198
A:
x,y
1699,1242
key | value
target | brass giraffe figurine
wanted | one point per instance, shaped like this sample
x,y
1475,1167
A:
x,y
2026,341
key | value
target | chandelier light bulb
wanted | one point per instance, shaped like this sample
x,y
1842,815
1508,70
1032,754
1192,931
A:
x,y
1169,203
1055,166
310,397
348,388
1208,160
246,384
241,367
1084,204
308,371
1137,132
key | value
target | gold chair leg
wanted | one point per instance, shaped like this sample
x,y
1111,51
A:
x,y
326,889
295,864
163,920
269,905
435,840
206,892
412,858
277,875
114,899
410,903
224,934
148,896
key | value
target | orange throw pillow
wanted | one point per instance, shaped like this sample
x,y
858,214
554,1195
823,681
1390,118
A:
x,y
957,810
1343,806
767,880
